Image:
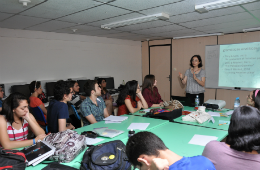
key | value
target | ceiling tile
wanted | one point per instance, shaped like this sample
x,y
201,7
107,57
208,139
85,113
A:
x,y
56,8
4,16
13,6
166,28
145,25
141,4
116,19
256,13
50,26
243,23
80,29
21,22
95,14
100,31
218,20
252,6
197,16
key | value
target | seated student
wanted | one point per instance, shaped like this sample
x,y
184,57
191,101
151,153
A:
x,y
1,96
242,144
253,99
93,108
58,112
105,95
147,151
36,89
130,99
76,98
16,121
150,92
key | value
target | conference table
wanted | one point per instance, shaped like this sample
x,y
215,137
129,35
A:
x,y
176,136
154,123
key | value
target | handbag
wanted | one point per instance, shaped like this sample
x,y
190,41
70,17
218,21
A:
x,y
12,159
199,116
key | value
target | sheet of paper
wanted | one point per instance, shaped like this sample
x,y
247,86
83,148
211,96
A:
x,y
212,120
223,122
216,114
92,141
108,121
140,126
116,118
146,110
201,140
230,112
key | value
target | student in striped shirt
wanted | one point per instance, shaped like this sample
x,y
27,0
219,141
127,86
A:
x,y
15,123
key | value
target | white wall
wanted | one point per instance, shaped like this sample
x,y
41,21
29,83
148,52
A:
x,y
33,55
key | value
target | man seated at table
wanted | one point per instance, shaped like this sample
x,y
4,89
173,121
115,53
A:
x,y
58,112
76,98
146,151
93,108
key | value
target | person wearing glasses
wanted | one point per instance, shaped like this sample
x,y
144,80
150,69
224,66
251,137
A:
x,y
130,99
253,99
16,122
36,89
1,96
58,112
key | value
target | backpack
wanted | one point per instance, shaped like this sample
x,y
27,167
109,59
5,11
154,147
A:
x,y
12,159
109,155
68,145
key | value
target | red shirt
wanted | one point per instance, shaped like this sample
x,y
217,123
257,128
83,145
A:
x,y
151,99
35,102
122,109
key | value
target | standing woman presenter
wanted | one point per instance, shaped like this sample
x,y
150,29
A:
x,y
195,80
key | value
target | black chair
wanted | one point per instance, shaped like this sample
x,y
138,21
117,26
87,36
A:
x,y
23,89
50,88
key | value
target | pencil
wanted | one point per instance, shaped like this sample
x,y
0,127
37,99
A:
x,y
222,124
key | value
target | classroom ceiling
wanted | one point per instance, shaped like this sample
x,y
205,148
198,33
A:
x,y
87,16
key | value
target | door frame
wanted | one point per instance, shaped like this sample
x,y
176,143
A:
x,y
170,62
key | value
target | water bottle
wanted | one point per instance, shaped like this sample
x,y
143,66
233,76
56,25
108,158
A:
x,y
131,133
236,103
123,83
197,101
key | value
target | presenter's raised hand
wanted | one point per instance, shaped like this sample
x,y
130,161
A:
x,y
194,76
180,75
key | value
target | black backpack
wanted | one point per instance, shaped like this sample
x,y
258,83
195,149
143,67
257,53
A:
x,y
110,155
12,159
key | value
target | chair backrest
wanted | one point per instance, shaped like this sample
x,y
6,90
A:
x,y
75,112
38,114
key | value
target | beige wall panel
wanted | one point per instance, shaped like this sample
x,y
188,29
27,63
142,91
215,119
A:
x,y
159,42
241,94
209,94
182,51
223,94
145,59
250,37
226,39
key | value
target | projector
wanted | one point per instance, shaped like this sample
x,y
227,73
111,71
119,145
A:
x,y
214,104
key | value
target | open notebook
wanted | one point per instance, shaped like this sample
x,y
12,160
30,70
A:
x,y
105,132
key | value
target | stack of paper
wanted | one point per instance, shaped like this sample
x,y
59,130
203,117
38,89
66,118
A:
x,y
216,114
139,126
115,119
201,139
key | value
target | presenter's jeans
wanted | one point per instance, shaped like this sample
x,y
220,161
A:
x,y
191,99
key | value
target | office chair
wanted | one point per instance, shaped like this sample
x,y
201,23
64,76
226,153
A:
x,y
39,116
77,115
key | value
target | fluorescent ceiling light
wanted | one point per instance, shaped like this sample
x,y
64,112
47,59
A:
x,y
193,36
220,4
160,16
251,29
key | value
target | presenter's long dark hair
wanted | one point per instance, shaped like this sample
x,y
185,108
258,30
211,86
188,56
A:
x,y
199,58
148,83
244,129
129,89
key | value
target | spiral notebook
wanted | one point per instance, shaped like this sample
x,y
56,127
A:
x,y
38,152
